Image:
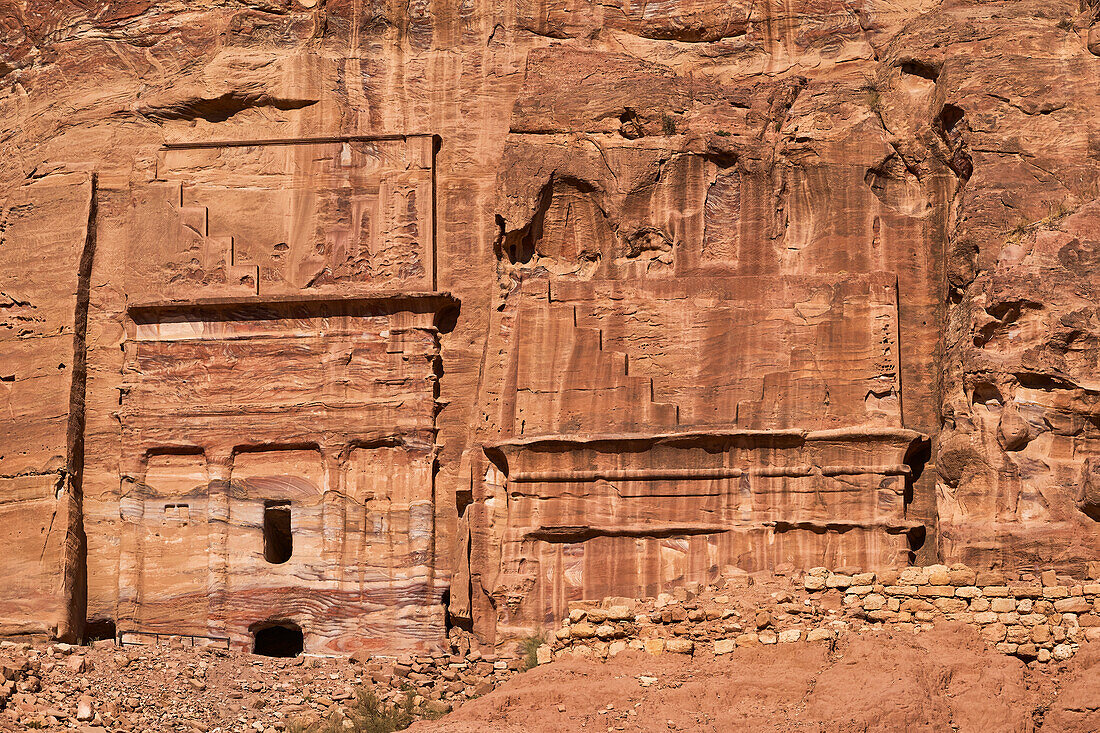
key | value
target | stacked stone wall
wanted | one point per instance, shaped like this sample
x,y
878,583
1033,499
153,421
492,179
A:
x,y
1038,617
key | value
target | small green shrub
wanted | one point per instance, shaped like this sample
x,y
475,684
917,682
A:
x,y
668,124
369,714
722,133
529,648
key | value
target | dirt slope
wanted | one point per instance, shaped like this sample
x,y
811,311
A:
x,y
944,680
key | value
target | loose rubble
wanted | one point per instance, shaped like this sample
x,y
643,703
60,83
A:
x,y
103,688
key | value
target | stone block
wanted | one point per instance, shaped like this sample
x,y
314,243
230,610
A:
x,y
1089,619
819,635
605,631
583,630
938,574
1062,652
788,636
887,577
1002,605
968,591
994,632
1056,591
950,605
873,602
813,583
724,646
620,613
1072,605
912,605
912,576
1028,651
1026,590
961,577
937,591
901,590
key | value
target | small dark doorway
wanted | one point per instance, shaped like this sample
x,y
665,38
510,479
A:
x,y
278,542
99,630
278,640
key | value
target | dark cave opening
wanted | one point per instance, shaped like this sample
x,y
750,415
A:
x,y
282,639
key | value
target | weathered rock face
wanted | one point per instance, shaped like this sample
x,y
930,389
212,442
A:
x,y
353,318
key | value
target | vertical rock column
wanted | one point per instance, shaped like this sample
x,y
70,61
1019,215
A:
x,y
47,239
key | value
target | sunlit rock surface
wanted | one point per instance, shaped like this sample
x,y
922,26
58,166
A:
x,y
373,319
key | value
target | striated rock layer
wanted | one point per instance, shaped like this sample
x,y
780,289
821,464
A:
x,y
361,321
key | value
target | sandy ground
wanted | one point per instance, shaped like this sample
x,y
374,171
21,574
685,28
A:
x,y
943,680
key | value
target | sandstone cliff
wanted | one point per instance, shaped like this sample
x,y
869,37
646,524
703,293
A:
x,y
367,319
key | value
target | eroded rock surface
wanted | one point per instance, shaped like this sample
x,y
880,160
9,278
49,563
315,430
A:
x,y
363,321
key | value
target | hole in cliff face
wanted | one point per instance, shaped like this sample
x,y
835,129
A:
x,y
447,319
949,118
278,540
950,124
519,245
100,630
630,126
915,67
221,108
916,539
281,639
987,394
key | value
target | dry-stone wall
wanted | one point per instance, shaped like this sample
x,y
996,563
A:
x,y
1037,617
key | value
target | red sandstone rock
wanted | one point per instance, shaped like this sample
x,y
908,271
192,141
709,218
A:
x,y
325,316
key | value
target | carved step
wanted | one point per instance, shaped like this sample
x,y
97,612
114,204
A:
x,y
196,218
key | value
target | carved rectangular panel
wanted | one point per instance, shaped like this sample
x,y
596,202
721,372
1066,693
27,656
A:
x,y
321,408
756,352
274,217
634,515
166,546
